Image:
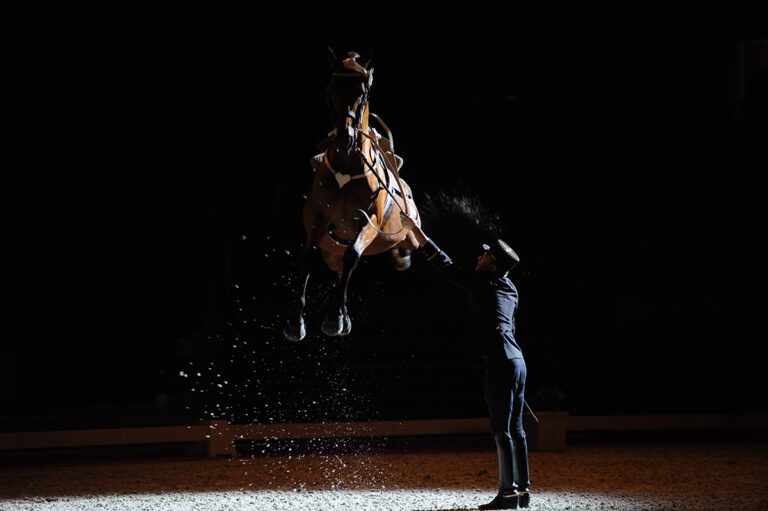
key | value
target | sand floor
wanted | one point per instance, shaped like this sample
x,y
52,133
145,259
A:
x,y
652,476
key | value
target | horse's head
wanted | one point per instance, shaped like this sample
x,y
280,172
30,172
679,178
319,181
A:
x,y
348,95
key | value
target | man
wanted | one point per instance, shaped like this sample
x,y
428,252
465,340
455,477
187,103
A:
x,y
494,301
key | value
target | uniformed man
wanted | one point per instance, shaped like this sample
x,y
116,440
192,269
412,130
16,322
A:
x,y
494,302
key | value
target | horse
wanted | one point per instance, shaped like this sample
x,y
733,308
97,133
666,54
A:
x,y
356,197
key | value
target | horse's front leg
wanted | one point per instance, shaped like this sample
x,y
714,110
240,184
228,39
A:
x,y
295,329
337,321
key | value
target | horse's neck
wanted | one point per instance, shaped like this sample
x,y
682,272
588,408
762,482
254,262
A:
x,y
365,144
353,163
364,123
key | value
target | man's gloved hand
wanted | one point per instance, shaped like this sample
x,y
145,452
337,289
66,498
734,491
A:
x,y
434,255
442,260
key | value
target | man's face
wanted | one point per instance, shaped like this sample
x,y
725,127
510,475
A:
x,y
485,263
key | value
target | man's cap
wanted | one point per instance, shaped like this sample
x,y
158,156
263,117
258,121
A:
x,y
502,254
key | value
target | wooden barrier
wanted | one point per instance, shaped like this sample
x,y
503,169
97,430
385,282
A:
x,y
213,433
655,422
219,436
361,429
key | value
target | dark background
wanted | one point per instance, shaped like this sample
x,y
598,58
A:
x,y
155,175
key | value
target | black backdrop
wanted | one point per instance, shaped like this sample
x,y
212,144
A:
x,y
155,174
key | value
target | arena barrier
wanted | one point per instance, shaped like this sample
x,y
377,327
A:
x,y
219,437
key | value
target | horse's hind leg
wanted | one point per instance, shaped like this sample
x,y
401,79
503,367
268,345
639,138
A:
x,y
294,329
401,258
337,321
401,254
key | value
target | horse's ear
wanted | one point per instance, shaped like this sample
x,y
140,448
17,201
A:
x,y
367,58
332,60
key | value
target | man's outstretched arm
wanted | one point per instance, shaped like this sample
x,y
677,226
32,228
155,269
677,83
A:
x,y
457,277
431,250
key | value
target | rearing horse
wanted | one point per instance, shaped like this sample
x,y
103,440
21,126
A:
x,y
357,195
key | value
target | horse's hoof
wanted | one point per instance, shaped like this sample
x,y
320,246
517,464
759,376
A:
x,y
347,326
293,332
333,326
401,259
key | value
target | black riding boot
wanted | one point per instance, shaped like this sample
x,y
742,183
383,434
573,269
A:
x,y
507,497
522,478
504,451
520,453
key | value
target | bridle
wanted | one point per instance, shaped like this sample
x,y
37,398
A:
x,y
362,101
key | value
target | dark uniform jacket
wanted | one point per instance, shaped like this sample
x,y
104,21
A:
x,y
493,303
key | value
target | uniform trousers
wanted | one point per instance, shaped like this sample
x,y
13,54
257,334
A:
x,y
504,387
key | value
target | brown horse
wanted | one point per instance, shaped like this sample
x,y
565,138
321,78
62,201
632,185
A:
x,y
357,195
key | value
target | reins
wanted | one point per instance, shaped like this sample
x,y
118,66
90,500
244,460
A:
x,y
388,164
382,157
